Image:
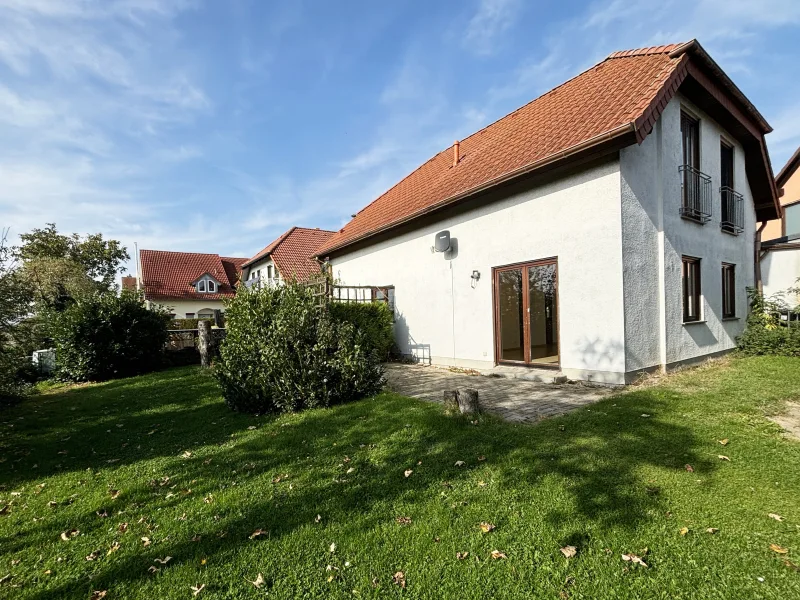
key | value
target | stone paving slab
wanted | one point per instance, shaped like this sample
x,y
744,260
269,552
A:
x,y
515,400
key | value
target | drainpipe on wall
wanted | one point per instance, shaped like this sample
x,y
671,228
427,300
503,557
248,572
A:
x,y
757,257
662,284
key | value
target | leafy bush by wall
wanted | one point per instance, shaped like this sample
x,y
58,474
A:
x,y
766,334
282,353
373,319
107,336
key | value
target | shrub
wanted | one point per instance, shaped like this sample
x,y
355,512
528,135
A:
x,y
766,334
373,319
106,336
13,378
283,353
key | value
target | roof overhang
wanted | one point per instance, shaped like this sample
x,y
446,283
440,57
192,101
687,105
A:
x,y
788,169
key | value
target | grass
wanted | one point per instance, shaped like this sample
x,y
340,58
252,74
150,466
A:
x,y
164,458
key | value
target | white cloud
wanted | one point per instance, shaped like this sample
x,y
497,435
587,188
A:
x,y
492,18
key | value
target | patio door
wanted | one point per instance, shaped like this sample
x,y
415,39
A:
x,y
526,313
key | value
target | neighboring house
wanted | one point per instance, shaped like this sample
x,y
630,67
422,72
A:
x,y
189,284
288,257
780,252
606,228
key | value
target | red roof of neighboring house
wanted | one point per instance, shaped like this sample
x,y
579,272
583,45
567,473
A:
x,y
170,275
293,252
788,169
620,96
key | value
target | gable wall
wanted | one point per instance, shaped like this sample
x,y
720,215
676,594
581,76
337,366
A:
x,y
650,172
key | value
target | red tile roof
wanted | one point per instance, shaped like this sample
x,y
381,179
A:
x,y
293,252
169,275
623,94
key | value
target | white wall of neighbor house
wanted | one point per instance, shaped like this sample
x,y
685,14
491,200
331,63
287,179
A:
x,y
180,308
443,319
656,237
780,270
264,268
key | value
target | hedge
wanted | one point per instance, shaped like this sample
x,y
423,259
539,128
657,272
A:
x,y
373,319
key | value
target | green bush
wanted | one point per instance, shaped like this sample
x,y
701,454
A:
x,y
13,380
106,336
373,319
283,353
766,334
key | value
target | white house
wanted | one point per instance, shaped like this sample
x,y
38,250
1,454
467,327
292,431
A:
x,y
189,284
780,251
289,256
604,230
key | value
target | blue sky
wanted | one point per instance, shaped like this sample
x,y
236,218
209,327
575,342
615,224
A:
x,y
215,125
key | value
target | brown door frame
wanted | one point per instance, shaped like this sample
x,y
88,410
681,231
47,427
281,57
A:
x,y
526,321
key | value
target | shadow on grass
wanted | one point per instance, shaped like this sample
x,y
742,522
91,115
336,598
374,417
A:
x,y
597,455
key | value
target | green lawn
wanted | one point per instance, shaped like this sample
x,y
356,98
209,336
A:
x,y
230,496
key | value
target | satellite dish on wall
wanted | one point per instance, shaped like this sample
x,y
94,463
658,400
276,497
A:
x,y
442,243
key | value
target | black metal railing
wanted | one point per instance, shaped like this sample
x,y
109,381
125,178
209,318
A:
x,y
695,194
732,219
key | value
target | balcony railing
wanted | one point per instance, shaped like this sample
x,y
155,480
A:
x,y
695,194
732,210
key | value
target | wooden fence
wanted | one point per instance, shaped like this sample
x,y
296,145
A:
x,y
326,291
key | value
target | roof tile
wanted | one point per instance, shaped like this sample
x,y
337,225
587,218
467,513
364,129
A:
x,y
169,275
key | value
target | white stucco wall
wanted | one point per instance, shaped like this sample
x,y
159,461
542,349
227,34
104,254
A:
x,y
260,265
651,198
442,318
180,307
780,270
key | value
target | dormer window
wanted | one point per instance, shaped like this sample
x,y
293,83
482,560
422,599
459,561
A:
x,y
206,285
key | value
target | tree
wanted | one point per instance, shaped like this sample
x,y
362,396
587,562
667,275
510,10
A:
x,y
60,268
15,297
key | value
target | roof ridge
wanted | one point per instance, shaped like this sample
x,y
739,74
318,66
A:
x,y
181,252
314,229
647,51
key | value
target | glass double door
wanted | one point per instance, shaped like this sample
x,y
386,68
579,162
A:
x,y
526,313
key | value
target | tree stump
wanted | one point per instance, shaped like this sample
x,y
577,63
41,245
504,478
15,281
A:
x,y
204,342
451,402
468,401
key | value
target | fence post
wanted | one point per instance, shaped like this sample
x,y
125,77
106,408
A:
x,y
204,342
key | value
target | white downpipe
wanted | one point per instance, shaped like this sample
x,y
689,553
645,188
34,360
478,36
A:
x,y
662,291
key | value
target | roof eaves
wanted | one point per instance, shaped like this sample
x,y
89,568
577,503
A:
x,y
269,249
788,169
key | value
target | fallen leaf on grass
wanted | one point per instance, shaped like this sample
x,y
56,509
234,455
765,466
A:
x,y
153,570
5,578
778,549
723,457
318,518
98,594
645,415
724,442
481,458
684,530
487,527
404,520
496,554
408,472
196,538
122,527
257,533
102,513
69,534
114,547
162,561
689,468
774,516
196,590
146,541
633,558
5,509
791,565
258,582
93,556
114,494
333,547
569,551
399,578
251,428
712,530
186,454
462,555
460,463
481,484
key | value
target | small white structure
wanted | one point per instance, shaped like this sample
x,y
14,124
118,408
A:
x,y
604,230
45,360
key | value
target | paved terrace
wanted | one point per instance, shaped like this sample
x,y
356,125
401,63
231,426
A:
x,y
517,400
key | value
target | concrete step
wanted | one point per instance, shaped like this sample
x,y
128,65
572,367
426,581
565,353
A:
x,y
525,373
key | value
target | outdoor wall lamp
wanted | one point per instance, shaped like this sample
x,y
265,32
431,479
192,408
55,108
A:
x,y
476,275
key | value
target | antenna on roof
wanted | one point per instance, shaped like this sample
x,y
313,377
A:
x,y
138,272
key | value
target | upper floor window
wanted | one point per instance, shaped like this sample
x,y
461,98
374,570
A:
x,y
732,203
206,285
695,185
269,271
791,218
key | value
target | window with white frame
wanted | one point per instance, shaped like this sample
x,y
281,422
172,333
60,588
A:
x,y
206,285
